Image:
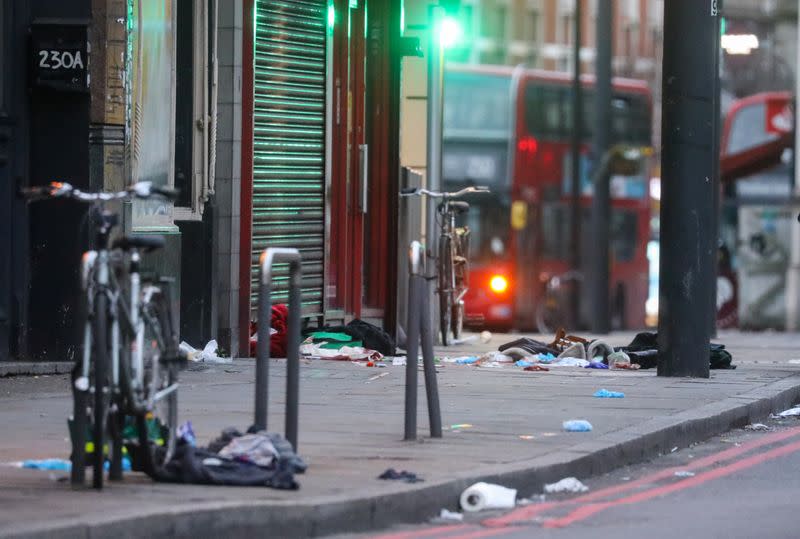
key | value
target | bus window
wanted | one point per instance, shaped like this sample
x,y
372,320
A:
x,y
748,128
488,221
548,114
476,104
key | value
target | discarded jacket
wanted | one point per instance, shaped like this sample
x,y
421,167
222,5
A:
x,y
209,466
372,337
643,350
530,345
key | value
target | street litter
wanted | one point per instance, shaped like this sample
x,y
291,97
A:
x,y
466,340
568,484
381,375
596,365
526,437
491,365
465,360
791,412
207,355
523,363
344,353
684,473
577,425
59,465
673,449
486,336
394,475
482,496
451,515
794,361
398,361
757,426
606,394
459,426
618,359
534,368
569,362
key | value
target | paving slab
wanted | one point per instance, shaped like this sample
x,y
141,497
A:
x,y
351,427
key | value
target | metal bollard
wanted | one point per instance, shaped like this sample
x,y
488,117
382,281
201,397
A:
x,y
268,258
419,325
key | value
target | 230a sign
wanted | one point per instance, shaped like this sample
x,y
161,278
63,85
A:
x,y
60,55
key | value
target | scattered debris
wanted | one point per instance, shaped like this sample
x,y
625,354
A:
x,y
398,361
684,473
451,515
404,475
757,426
791,412
596,365
60,465
794,361
674,449
568,484
577,425
207,355
606,394
482,496
536,368
381,375
526,437
465,360
486,336
459,426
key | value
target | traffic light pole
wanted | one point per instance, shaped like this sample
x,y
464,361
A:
x,y
577,139
690,74
601,202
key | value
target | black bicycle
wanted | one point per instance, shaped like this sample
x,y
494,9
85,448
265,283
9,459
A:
x,y
452,263
127,379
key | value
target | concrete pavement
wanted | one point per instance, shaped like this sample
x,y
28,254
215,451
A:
x,y
351,428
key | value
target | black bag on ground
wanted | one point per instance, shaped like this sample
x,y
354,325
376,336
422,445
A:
x,y
372,337
643,350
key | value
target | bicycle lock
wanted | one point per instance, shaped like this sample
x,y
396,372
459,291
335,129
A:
x,y
419,326
268,258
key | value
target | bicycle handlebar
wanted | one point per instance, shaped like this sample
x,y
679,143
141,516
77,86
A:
x,y
413,191
141,190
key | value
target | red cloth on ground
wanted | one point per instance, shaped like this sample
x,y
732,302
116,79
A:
x,y
277,342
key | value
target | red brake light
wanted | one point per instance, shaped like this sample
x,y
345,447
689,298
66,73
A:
x,y
528,145
498,284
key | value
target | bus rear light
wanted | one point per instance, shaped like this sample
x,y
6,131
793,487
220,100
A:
x,y
498,284
528,145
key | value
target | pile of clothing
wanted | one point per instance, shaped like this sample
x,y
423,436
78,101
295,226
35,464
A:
x,y
572,350
255,458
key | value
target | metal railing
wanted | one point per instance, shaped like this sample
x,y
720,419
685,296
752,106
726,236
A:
x,y
268,258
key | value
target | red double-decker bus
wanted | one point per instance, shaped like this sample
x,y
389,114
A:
x,y
510,129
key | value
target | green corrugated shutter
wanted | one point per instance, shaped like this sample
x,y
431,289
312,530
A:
x,y
289,141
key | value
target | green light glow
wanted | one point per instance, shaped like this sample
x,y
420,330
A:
x,y
402,19
449,32
331,16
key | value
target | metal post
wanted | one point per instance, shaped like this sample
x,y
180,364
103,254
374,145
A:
x,y
262,355
601,202
293,354
416,287
434,132
793,271
268,258
716,201
428,362
691,37
577,139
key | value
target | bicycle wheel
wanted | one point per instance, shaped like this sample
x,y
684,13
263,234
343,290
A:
x,y
446,281
101,389
157,423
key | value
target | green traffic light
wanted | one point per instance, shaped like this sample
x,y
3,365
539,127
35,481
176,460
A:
x,y
449,32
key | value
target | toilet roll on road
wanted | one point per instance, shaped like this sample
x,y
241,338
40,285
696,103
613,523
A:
x,y
482,496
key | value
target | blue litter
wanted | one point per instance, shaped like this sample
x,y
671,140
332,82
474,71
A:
x,y
606,394
577,425
596,365
523,363
466,360
48,464
186,433
546,358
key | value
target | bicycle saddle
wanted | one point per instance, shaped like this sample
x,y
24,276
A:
x,y
458,206
146,243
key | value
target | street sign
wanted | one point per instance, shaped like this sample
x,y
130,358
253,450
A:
x,y
59,55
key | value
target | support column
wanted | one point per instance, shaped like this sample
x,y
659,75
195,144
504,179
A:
x,y
690,74
577,141
601,202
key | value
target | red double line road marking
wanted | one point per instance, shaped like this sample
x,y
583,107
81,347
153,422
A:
x,y
586,511
526,513
501,525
